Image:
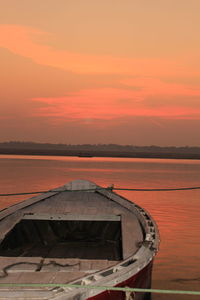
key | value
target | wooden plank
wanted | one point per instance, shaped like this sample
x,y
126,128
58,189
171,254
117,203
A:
x,y
23,294
70,217
8,211
42,277
76,202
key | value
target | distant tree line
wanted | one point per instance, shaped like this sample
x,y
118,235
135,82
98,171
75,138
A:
x,y
98,147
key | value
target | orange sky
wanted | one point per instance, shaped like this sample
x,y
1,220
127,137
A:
x,y
100,71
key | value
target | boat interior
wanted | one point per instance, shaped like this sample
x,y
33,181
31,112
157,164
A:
x,y
64,239
61,236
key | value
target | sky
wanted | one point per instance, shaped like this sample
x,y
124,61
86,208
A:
x,y
100,72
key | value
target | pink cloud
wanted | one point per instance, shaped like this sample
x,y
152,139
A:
x,y
109,104
140,92
27,41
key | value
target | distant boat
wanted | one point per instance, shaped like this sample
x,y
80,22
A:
x,y
78,233
85,155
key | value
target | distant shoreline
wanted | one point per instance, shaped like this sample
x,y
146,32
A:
x,y
95,153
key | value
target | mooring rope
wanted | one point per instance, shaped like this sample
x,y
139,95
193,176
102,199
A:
x,y
107,188
38,266
103,288
25,193
158,190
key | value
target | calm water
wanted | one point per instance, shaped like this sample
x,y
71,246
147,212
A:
x,y
177,265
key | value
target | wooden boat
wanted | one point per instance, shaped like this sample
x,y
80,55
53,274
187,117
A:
x,y
78,233
84,154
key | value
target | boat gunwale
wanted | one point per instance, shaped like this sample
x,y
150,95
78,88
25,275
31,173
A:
x,y
140,259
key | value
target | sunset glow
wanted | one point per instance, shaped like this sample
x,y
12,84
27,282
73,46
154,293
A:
x,y
89,72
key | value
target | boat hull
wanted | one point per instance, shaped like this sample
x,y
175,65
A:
x,y
140,280
80,234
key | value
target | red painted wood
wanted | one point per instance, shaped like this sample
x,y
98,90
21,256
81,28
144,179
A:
x,y
141,280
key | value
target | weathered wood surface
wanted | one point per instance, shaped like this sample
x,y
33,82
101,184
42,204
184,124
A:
x,y
26,264
85,203
42,277
98,205
62,203
10,210
24,270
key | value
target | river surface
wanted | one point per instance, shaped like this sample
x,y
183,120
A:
x,y
177,213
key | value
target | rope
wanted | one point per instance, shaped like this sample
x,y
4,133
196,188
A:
x,y
159,190
108,188
103,288
38,265
20,194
